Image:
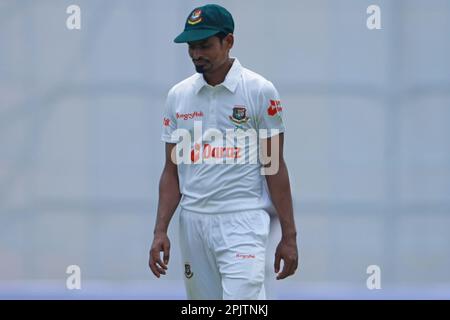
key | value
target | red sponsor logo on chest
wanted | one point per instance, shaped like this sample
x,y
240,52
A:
x,y
192,115
214,152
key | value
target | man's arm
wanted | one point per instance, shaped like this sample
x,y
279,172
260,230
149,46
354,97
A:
x,y
280,192
169,197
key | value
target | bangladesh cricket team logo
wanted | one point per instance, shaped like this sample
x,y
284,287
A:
x,y
239,116
195,17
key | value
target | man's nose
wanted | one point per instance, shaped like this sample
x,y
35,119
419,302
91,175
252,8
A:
x,y
196,53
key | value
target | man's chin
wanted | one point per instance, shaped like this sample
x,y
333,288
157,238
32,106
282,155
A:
x,y
200,69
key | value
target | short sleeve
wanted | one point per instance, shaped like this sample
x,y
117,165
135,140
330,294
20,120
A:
x,y
271,115
169,121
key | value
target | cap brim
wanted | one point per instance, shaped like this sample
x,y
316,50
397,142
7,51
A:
x,y
195,35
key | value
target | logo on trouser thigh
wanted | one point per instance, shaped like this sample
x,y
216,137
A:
x,y
187,271
245,256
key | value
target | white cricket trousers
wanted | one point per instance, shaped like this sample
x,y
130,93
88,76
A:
x,y
224,254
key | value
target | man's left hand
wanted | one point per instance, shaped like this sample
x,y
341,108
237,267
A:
x,y
286,251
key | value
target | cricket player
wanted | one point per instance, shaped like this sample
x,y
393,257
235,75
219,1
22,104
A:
x,y
225,203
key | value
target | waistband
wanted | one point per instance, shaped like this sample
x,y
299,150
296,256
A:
x,y
186,211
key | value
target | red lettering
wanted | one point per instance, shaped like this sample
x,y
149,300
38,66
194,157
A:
x,y
236,151
186,116
207,151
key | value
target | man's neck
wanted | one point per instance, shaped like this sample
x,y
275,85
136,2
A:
x,y
219,75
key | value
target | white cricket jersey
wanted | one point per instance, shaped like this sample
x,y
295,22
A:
x,y
245,100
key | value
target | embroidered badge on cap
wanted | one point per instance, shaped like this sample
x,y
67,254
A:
x,y
195,17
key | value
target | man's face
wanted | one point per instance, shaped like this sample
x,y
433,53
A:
x,y
210,54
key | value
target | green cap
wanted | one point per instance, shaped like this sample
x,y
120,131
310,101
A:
x,y
204,22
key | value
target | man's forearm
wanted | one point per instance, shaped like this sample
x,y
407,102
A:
x,y
169,198
280,192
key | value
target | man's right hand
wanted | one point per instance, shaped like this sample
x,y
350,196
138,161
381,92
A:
x,y
161,243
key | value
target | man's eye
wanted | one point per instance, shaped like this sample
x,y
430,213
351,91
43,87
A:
x,y
201,47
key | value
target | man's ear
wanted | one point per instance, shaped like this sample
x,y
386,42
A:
x,y
230,40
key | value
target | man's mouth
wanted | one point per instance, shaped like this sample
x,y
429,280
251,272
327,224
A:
x,y
200,63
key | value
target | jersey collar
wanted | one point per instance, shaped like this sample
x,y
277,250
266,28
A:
x,y
231,80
